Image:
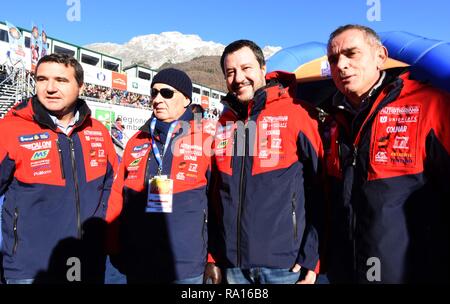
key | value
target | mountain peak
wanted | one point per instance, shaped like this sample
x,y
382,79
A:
x,y
154,50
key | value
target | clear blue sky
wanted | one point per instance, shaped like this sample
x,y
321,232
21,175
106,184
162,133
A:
x,y
268,22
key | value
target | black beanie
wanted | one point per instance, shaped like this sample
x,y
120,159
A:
x,y
176,79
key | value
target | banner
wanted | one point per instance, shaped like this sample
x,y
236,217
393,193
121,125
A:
x,y
16,43
205,102
97,76
139,86
132,118
119,81
44,44
35,46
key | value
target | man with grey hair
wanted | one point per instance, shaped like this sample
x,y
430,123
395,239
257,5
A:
x,y
388,160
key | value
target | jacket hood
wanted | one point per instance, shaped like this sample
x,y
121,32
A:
x,y
285,79
278,83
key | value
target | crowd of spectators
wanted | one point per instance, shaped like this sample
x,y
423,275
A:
x,y
212,113
115,96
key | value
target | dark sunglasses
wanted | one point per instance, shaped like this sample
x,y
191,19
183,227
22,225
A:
x,y
165,93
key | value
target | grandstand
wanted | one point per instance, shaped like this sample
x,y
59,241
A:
x,y
111,90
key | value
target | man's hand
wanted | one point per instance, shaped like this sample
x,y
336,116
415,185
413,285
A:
x,y
212,274
310,277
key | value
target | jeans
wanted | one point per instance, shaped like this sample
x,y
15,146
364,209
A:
x,y
2,279
19,281
113,275
194,280
261,275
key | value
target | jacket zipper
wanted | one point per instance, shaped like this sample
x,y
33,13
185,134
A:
x,y
234,148
241,197
60,159
147,176
16,235
205,222
393,94
294,217
355,155
75,180
354,165
353,229
353,223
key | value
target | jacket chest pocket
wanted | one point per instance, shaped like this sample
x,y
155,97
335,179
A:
x,y
40,162
394,142
188,172
96,160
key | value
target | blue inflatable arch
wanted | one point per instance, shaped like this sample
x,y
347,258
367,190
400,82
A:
x,y
429,59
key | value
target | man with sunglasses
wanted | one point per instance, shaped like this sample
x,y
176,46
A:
x,y
162,185
267,155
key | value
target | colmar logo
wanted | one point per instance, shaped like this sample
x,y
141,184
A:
x,y
397,129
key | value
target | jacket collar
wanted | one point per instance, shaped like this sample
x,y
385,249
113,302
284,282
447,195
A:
x,y
387,80
33,110
278,85
187,116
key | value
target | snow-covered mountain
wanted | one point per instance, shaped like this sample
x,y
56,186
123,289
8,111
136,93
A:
x,y
154,50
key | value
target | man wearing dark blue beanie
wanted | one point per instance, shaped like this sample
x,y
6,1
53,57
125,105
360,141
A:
x,y
176,79
162,186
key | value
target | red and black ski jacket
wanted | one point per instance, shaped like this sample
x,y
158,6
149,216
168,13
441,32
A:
x,y
268,158
389,166
53,184
164,247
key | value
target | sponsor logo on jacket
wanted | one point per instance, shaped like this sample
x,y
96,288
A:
x,y
34,137
38,145
140,147
396,136
40,155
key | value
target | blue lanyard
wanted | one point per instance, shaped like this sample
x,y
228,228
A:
x,y
158,156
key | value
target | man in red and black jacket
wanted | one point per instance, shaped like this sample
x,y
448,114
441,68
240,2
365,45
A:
x,y
161,192
56,171
388,160
268,156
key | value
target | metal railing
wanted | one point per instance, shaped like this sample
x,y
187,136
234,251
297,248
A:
x,y
19,78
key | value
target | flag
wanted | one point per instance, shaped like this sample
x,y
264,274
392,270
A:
x,y
35,46
16,43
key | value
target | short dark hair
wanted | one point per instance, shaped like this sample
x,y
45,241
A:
x,y
67,60
371,36
239,44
